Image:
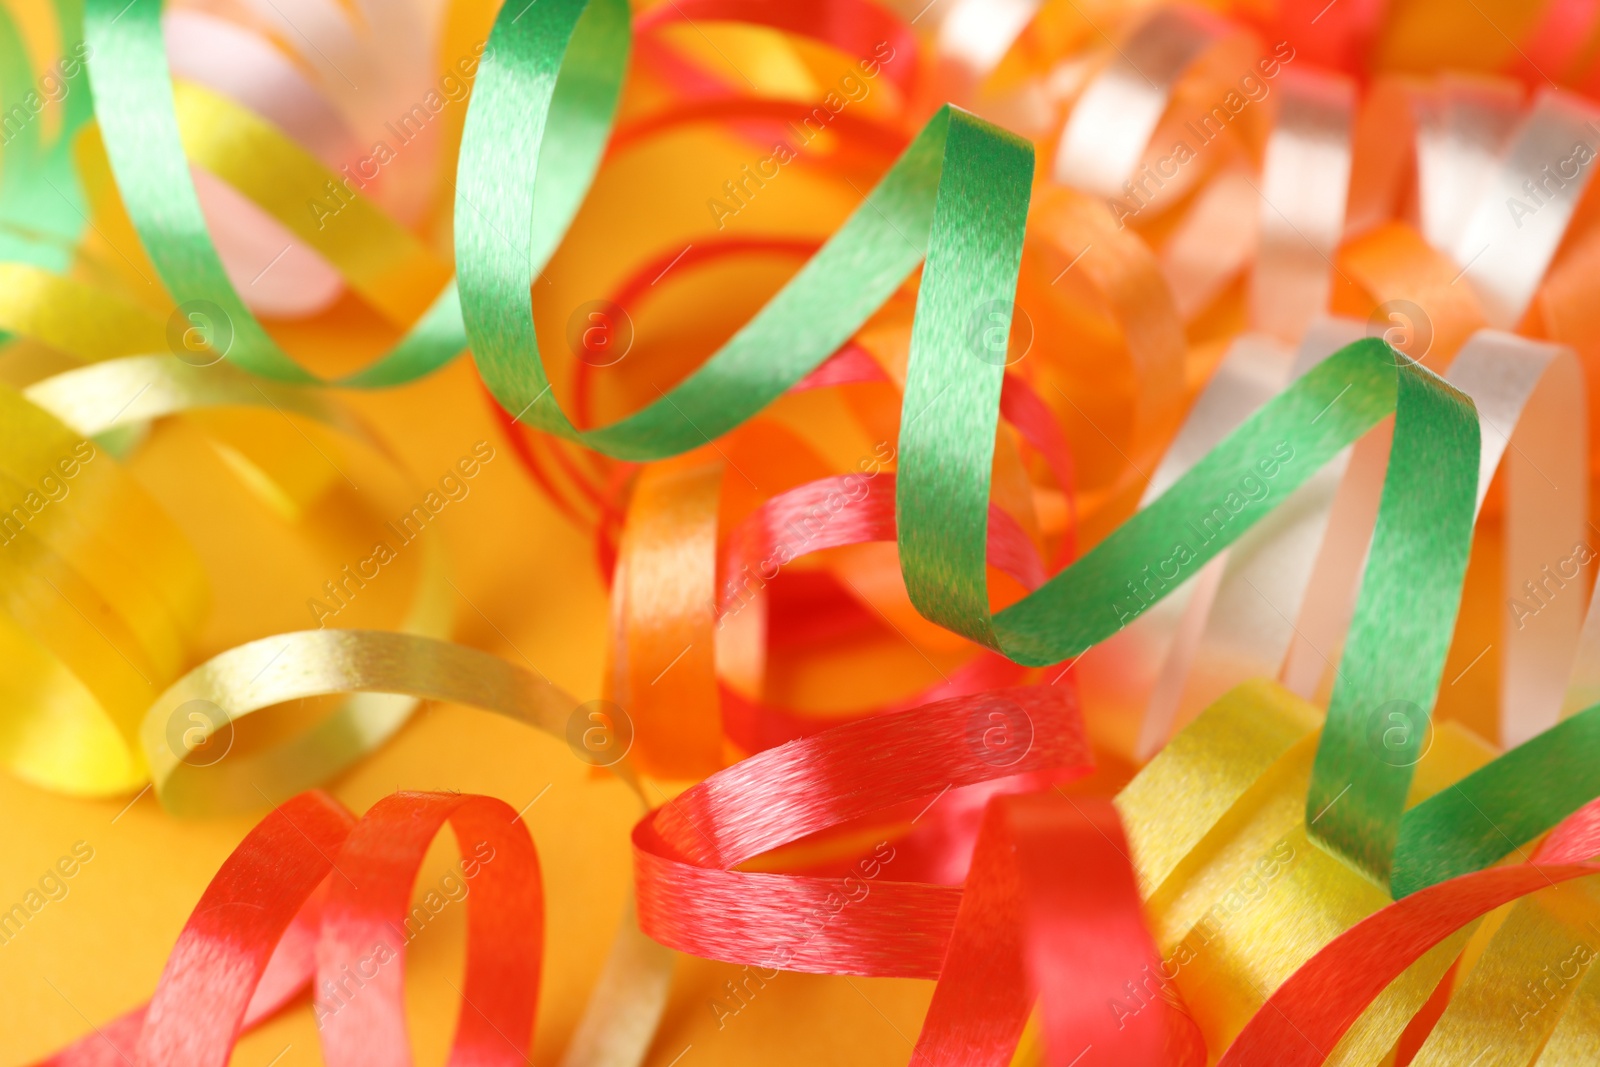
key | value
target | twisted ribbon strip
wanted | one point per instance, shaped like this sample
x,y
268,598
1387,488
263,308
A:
x,y
314,897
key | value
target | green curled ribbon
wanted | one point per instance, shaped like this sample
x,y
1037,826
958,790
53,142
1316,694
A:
x,y
1405,613
133,102
821,307
956,201
1501,806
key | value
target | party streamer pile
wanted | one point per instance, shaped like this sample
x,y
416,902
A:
x,y
960,533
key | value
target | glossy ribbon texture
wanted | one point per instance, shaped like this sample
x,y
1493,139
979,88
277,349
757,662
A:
x,y
1054,584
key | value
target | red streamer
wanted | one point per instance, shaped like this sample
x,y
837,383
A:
x,y
311,892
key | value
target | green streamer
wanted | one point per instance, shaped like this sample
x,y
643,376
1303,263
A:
x,y
1410,593
138,123
1400,634
1501,806
831,297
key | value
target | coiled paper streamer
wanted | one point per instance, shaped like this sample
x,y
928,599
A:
x,y
958,171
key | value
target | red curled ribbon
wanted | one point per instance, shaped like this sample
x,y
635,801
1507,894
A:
x,y
1310,1011
1046,910
870,517
311,892
1050,907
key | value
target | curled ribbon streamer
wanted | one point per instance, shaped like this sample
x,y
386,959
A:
x,y
1533,426
1043,864
312,896
389,267
103,396
669,425
378,665
1458,143
75,318
138,120
1211,244
1538,928
1148,660
1239,896
662,592
852,26
1524,392
1042,627
757,546
1499,807
1459,132
1009,549
1312,1009
976,35
1304,187
1462,827
372,663
785,529
809,320
1327,953
1123,275
270,944
1021,915
692,897
1520,246
927,445
74,703
1116,119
